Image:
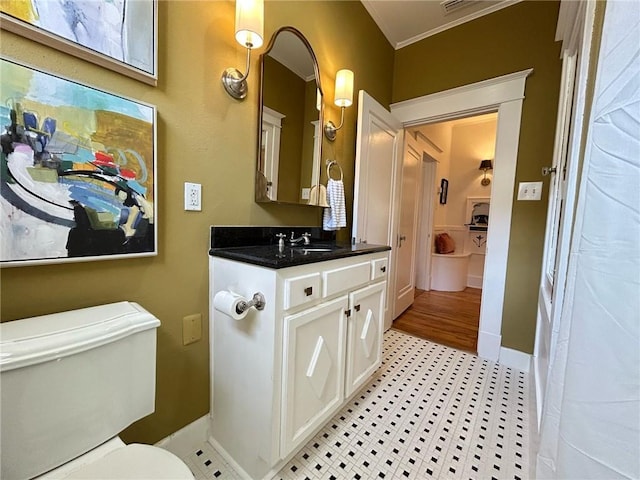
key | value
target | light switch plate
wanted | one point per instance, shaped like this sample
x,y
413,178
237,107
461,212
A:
x,y
192,196
191,328
529,190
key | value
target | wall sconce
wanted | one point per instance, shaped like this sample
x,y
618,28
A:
x,y
343,98
249,32
484,166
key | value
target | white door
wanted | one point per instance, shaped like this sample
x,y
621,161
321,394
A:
x,y
408,219
377,172
562,187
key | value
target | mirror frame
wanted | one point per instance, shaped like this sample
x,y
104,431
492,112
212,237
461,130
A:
x,y
261,180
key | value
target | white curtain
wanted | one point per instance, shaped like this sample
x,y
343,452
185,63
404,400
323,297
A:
x,y
590,428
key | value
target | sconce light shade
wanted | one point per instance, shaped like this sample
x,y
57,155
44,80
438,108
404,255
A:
x,y
485,165
249,34
344,88
343,97
249,23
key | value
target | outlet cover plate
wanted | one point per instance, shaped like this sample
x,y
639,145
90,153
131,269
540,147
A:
x,y
192,196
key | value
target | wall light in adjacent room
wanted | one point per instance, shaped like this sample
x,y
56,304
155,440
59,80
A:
x,y
484,166
343,98
249,34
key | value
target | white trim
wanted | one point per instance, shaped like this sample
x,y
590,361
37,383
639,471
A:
x,y
515,359
474,281
504,94
475,98
187,439
456,23
489,345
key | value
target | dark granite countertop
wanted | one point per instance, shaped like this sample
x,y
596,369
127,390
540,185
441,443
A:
x,y
259,246
270,256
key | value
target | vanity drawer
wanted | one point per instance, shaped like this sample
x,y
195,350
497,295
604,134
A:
x,y
301,290
345,278
379,268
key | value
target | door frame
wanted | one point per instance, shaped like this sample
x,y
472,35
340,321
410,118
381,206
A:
x,y
505,95
426,203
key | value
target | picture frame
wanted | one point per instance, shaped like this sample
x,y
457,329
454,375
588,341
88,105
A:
x,y
78,171
120,36
444,189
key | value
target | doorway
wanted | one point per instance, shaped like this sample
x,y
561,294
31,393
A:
x,y
450,285
504,95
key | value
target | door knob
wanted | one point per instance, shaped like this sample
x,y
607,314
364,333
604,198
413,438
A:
x,y
401,238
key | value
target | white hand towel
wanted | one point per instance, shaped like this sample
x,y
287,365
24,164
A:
x,y
335,216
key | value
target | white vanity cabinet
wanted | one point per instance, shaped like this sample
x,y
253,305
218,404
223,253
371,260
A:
x,y
280,374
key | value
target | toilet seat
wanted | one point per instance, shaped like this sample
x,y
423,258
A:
x,y
130,462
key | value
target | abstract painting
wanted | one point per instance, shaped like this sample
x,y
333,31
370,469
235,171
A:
x,y
116,34
77,171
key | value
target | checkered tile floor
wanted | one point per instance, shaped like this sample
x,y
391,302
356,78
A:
x,y
429,412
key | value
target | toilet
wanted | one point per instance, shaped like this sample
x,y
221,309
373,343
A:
x,y
71,382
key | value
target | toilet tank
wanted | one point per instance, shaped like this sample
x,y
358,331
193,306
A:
x,y
71,381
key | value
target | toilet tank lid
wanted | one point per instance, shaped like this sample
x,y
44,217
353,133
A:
x,y
57,335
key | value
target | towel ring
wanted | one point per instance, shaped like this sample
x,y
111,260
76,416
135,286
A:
x,y
331,163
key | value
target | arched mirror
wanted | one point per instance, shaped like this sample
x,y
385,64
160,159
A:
x,y
289,121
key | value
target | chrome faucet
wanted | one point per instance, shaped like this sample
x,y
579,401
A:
x,y
305,237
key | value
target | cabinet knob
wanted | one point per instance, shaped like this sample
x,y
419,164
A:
x,y
347,312
357,308
383,269
308,291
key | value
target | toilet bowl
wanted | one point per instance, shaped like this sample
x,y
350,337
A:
x,y
71,382
114,460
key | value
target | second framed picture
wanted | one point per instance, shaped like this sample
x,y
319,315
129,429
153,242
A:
x,y
119,35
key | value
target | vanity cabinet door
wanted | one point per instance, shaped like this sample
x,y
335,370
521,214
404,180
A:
x,y
313,370
364,337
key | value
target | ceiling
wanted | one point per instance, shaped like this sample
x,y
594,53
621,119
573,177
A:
x,y
404,22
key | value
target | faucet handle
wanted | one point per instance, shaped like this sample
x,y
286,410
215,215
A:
x,y
307,238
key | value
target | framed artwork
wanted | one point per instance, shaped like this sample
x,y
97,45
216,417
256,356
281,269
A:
x,y
444,189
117,34
77,171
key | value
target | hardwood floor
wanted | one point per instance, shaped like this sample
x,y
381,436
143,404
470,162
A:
x,y
447,318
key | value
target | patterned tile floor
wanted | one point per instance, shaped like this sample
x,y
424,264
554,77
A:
x,y
429,412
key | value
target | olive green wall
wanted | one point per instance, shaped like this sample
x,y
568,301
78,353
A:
x,y
510,40
207,137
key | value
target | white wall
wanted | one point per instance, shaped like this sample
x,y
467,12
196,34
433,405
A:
x,y
472,140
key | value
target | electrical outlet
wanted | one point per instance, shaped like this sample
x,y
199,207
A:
x,y
529,190
191,328
192,196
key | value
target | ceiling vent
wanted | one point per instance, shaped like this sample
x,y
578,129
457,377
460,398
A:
x,y
449,6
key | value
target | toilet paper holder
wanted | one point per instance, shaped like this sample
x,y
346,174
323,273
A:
x,y
257,301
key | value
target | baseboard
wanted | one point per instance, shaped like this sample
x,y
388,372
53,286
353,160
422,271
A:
x,y
489,346
188,438
474,281
515,359
224,454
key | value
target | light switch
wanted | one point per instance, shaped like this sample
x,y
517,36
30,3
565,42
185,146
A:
x,y
529,190
191,328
